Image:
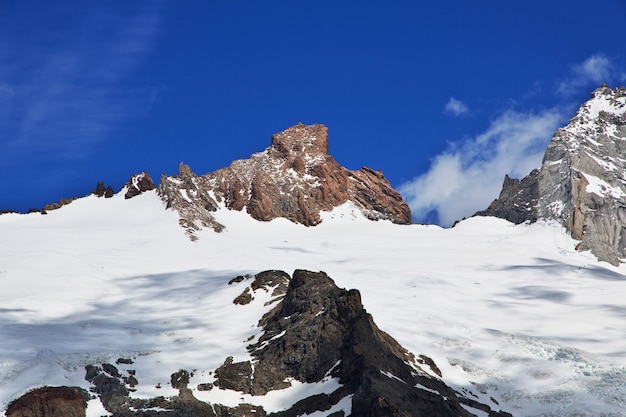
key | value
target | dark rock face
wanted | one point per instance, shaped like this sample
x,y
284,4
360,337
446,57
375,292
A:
x,y
320,331
517,202
50,402
235,376
294,178
102,191
114,390
109,386
277,281
582,181
138,184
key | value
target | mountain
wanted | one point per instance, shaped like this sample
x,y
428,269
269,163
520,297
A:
x,y
294,178
582,182
109,307
317,334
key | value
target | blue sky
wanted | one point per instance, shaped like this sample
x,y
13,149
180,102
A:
x,y
443,97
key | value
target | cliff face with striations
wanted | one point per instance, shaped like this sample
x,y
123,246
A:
x,y
294,178
582,180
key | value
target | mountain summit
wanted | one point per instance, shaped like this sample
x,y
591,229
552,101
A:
x,y
294,178
582,180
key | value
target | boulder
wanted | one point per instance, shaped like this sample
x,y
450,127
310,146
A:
x,y
50,402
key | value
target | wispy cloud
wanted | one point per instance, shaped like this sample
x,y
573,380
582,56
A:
x,y
592,71
468,176
68,83
455,107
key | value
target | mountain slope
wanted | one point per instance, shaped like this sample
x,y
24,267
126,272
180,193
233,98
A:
x,y
581,183
108,295
316,335
512,316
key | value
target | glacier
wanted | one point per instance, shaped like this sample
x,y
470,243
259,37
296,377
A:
x,y
511,314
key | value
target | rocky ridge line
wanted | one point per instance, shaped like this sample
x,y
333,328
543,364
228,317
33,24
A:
x,y
136,184
582,180
294,178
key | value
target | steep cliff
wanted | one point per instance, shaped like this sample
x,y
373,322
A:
x,y
582,180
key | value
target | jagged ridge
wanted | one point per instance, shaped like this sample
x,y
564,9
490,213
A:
x,y
294,178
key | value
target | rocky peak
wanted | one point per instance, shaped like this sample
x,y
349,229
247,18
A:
x,y
137,184
582,180
103,191
301,139
319,331
185,173
294,178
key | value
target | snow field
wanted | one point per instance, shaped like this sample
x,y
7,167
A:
x,y
507,312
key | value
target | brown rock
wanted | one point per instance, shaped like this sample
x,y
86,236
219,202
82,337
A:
x,y
138,184
50,402
235,375
100,189
294,178
244,298
62,202
187,194
180,379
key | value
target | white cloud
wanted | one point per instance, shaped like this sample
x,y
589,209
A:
x,y
468,176
455,107
592,71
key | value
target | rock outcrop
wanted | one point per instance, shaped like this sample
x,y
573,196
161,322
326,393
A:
x,y
50,402
582,180
114,389
294,178
319,331
137,184
517,201
103,191
54,206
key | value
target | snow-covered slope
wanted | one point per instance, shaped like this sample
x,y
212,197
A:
x,y
512,314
